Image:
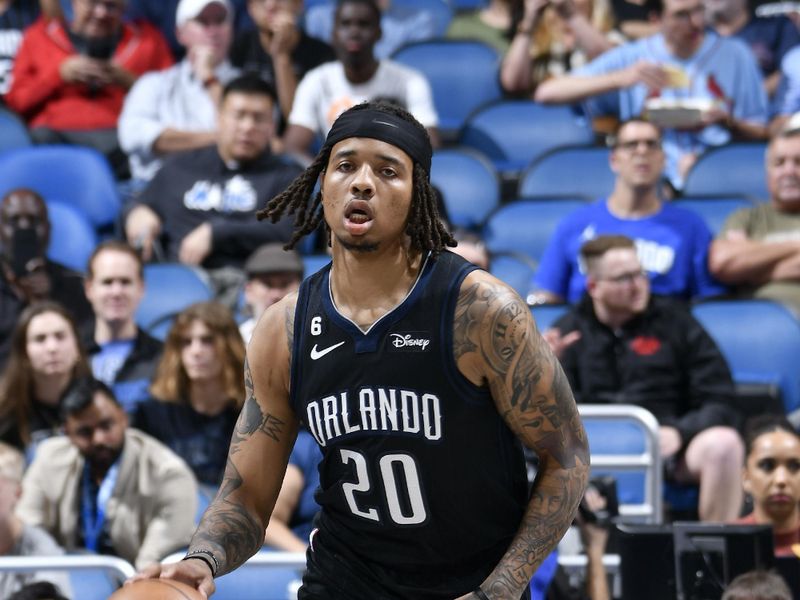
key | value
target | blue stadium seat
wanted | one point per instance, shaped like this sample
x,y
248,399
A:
x,y
13,133
73,174
440,10
314,262
463,74
569,172
255,582
468,183
732,170
713,210
169,288
623,443
759,339
526,225
547,314
72,237
515,269
513,133
468,5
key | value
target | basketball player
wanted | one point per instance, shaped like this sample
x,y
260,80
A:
x,y
418,375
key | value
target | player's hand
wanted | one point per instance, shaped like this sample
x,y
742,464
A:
x,y
669,441
141,228
559,343
653,75
196,246
195,573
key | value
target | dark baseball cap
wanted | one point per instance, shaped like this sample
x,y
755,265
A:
x,y
272,258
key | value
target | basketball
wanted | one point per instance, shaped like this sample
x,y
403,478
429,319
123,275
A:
x,y
156,589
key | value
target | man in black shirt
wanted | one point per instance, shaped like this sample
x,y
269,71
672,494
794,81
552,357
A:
x,y
200,207
620,345
279,51
26,274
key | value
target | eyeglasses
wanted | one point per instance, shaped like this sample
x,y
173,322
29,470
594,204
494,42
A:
x,y
688,14
650,145
630,277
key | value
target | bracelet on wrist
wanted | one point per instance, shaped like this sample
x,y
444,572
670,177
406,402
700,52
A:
x,y
207,557
480,593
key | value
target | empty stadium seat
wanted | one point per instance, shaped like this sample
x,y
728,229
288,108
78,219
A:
x,y
72,237
468,183
569,172
13,133
169,288
547,314
515,269
76,175
759,339
714,211
526,225
732,170
314,262
463,74
513,133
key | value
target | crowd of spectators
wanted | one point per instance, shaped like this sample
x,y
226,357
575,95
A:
x,y
206,109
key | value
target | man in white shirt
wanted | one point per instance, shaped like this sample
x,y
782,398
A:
x,y
358,76
176,109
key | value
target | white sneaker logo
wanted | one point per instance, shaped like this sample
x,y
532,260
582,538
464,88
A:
x,y
316,354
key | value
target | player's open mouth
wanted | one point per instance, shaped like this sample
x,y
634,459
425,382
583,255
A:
x,y
358,216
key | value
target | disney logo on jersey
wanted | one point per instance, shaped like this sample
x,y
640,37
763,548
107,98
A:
x,y
413,342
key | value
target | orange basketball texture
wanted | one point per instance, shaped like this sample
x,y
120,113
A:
x,y
156,589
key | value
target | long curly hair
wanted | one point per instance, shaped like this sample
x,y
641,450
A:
x,y
424,227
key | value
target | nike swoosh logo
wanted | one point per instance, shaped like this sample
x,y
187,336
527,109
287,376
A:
x,y
316,354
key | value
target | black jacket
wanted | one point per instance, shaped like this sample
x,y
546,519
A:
x,y
662,360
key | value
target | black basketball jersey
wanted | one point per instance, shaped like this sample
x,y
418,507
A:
x,y
422,485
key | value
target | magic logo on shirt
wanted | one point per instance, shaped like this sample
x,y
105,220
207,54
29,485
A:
x,y
234,195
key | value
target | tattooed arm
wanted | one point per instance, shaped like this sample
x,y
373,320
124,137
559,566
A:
x,y
232,528
496,343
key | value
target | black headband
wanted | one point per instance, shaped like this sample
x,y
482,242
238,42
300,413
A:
x,y
386,127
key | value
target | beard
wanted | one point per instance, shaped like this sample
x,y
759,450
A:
x,y
361,247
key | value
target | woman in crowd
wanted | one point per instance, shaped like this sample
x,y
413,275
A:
x,y
772,479
198,390
45,358
553,37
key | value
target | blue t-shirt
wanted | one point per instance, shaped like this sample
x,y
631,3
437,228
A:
x,y
306,456
726,62
672,246
109,360
787,99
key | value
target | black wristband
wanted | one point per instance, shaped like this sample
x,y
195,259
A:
x,y
207,557
480,593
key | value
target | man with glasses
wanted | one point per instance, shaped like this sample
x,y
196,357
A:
x,y
69,79
176,109
672,242
620,345
684,61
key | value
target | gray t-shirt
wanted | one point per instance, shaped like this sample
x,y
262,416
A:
x,y
34,542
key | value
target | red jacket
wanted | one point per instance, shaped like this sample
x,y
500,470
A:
x,y
44,100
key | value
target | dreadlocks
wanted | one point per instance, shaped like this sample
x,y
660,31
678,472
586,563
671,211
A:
x,y
424,227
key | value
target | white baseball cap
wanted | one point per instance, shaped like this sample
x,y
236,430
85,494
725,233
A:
x,y
190,9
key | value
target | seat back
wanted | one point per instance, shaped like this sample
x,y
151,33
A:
x,y
169,288
759,339
623,442
468,183
13,133
526,225
547,314
75,175
732,170
439,10
714,210
72,237
569,172
515,269
463,74
513,133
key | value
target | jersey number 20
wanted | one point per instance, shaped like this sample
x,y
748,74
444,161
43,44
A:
x,y
386,468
